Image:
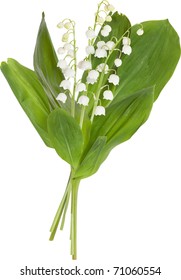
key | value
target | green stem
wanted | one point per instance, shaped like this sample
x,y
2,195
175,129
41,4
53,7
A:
x,y
65,207
75,186
82,116
59,212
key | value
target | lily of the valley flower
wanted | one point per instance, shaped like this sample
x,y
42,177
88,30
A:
x,y
66,84
100,44
65,37
108,95
101,53
114,79
106,30
68,46
91,81
68,25
90,34
84,65
108,18
60,25
62,64
61,50
100,110
93,74
90,50
83,100
127,49
118,62
68,72
62,97
81,87
126,41
103,67
140,32
110,45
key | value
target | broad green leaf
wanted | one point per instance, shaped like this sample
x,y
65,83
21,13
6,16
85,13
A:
x,y
153,60
66,136
45,64
123,119
30,94
91,160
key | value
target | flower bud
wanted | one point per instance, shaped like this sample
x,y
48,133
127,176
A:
x,y
118,62
140,32
65,37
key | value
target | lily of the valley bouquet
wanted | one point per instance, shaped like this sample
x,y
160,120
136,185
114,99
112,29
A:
x,y
84,117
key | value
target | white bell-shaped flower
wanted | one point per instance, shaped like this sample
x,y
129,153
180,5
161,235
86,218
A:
x,y
100,20
68,46
118,62
68,25
127,49
62,63
62,97
91,81
70,53
100,110
104,33
65,84
81,87
60,25
114,79
84,65
90,34
65,37
107,28
100,44
68,72
61,50
101,53
140,32
108,18
126,41
110,8
108,95
110,45
90,50
83,100
103,67
93,74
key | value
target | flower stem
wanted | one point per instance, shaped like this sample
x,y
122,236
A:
x,y
59,212
75,186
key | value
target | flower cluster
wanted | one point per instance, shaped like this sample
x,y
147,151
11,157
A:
x,y
80,91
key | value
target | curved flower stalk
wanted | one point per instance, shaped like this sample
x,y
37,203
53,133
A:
x,y
123,72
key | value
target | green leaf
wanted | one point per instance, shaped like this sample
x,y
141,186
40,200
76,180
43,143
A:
x,y
91,160
66,136
153,60
30,94
45,64
123,119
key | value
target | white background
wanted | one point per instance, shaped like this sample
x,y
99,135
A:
x,y
129,213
